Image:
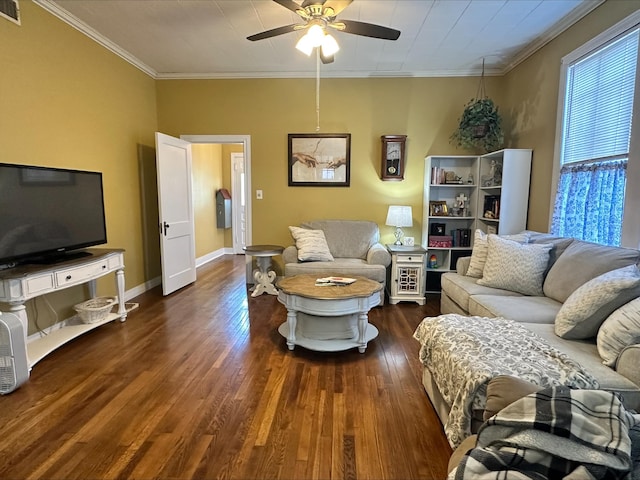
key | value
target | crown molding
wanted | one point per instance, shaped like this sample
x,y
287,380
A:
x,y
576,15
470,72
78,24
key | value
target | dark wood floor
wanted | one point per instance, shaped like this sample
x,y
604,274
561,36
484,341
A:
x,y
199,385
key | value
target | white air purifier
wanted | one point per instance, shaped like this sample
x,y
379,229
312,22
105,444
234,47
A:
x,y
14,367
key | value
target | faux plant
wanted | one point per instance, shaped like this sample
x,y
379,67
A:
x,y
479,127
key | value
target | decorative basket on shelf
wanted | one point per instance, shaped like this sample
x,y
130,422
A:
x,y
96,309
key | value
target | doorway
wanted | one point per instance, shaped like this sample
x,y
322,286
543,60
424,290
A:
x,y
245,211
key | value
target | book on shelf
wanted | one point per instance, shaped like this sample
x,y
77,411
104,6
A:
x,y
329,281
440,176
437,175
461,237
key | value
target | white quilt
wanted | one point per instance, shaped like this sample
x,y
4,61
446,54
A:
x,y
464,353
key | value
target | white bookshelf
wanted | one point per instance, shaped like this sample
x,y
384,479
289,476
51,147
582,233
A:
x,y
508,182
436,189
512,190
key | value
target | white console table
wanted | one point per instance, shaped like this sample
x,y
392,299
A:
x,y
22,283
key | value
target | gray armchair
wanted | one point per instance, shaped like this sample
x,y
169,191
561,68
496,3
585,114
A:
x,y
356,249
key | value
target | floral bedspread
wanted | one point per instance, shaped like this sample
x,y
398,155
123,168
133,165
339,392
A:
x,y
464,353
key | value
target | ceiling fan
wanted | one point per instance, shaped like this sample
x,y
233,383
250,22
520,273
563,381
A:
x,y
318,15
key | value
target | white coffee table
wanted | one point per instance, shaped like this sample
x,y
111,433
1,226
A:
x,y
329,318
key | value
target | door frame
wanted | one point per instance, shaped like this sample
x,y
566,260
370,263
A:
x,y
245,140
236,211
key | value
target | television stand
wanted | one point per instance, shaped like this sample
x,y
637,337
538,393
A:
x,y
24,282
58,257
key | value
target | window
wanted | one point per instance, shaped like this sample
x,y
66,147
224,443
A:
x,y
599,81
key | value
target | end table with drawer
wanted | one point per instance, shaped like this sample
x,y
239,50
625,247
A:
x,y
406,275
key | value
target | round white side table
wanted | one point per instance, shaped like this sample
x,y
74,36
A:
x,y
263,276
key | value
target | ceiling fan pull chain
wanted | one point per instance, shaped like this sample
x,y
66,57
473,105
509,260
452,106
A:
x,y
317,89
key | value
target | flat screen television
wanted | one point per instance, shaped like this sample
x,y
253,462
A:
x,y
48,214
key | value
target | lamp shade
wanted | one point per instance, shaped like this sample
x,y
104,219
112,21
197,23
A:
x,y
305,45
399,216
329,45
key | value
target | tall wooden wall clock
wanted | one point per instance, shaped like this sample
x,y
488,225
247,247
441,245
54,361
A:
x,y
393,152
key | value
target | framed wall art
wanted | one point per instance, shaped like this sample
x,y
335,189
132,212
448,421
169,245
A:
x,y
319,159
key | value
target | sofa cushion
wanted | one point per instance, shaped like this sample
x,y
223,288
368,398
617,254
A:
x,y
515,266
619,330
521,308
586,354
586,308
460,288
560,244
347,238
311,245
580,262
478,254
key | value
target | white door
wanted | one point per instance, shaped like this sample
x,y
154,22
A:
x,y
175,206
238,203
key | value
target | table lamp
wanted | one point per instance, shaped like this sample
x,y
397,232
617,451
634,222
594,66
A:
x,y
399,216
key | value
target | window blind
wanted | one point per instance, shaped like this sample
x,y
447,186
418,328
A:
x,y
599,102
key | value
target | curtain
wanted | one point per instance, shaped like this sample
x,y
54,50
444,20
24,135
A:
x,y
589,202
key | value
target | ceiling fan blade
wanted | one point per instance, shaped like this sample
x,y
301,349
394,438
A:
x,y
369,30
306,3
337,5
273,32
326,58
290,4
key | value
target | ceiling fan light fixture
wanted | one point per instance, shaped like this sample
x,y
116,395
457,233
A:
x,y
305,45
329,45
316,35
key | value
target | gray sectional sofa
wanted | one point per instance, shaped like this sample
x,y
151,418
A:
x,y
571,264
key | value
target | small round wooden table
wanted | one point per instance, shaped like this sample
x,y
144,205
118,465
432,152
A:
x,y
263,276
328,318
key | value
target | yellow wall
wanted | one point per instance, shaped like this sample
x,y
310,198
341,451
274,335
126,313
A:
x,y
68,102
532,97
425,109
207,180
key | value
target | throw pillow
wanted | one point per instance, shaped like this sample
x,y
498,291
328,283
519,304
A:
x,y
584,311
514,266
311,245
619,330
503,390
480,248
478,254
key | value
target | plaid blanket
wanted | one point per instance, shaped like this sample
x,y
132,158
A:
x,y
558,432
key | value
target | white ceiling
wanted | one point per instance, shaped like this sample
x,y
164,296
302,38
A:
x,y
207,38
